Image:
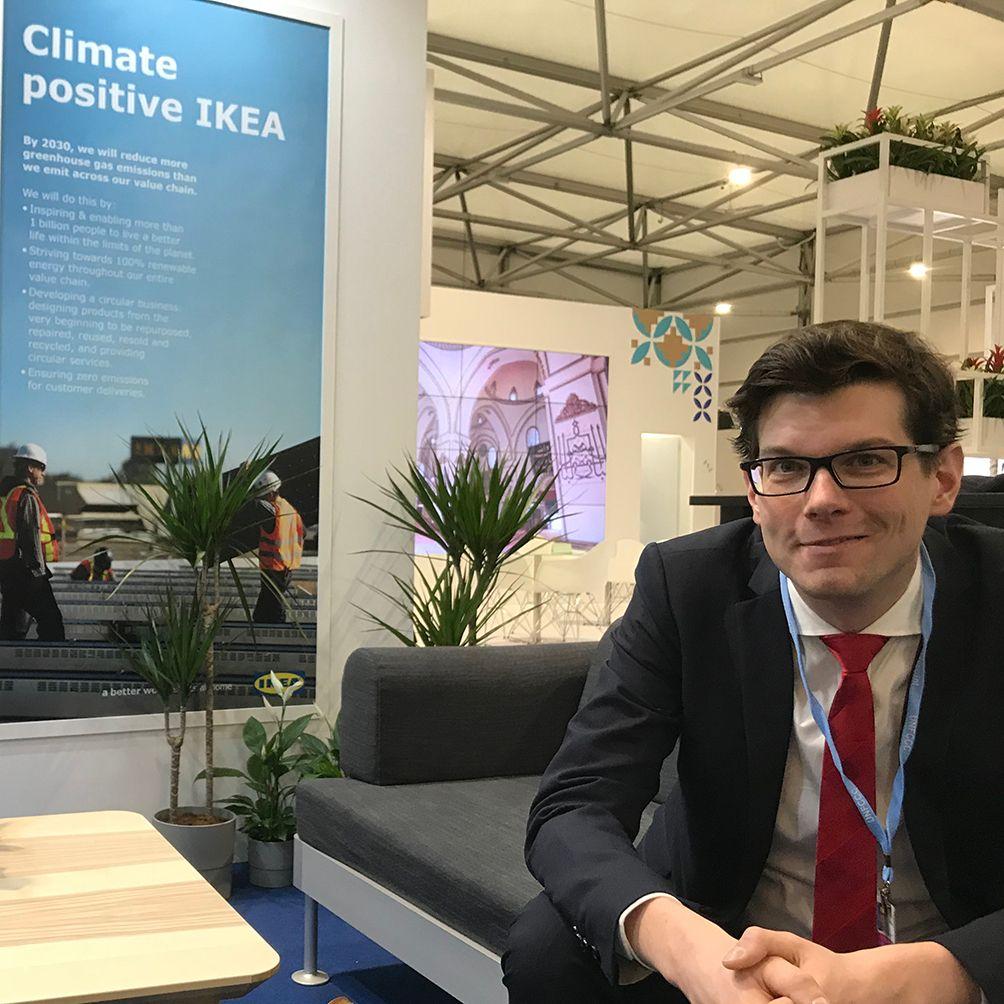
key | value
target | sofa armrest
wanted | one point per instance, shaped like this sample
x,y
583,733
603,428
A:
x,y
446,714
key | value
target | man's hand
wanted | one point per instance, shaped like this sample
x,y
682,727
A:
x,y
686,949
920,973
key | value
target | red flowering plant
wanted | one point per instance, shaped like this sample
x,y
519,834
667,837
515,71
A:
x,y
991,361
956,154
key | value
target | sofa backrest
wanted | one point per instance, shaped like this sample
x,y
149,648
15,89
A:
x,y
442,714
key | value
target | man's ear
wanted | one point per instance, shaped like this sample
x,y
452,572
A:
x,y
948,479
752,498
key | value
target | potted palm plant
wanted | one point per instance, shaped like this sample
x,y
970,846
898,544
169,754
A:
x,y
480,514
169,651
191,507
267,813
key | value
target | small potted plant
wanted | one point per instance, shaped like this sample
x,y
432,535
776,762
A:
x,y
267,813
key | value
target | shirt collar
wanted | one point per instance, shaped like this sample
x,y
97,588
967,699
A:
x,y
901,619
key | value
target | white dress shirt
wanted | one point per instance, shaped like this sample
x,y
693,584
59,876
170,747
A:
x,y
783,898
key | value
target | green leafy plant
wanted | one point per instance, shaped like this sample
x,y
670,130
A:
x,y
321,757
480,515
267,813
190,511
956,155
991,361
170,649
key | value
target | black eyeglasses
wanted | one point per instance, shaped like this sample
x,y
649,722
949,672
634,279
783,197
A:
x,y
875,467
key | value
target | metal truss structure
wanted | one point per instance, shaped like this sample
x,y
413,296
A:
x,y
640,237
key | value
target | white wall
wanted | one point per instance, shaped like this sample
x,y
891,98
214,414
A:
x,y
369,408
641,399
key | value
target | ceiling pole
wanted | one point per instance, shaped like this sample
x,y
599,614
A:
x,y
470,239
597,129
604,66
629,182
548,69
713,82
538,204
705,123
968,103
644,260
497,85
802,18
883,48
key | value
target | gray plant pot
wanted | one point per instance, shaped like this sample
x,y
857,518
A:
x,y
209,849
270,863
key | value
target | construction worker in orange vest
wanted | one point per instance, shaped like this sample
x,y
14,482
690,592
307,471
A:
x,y
280,548
27,545
96,569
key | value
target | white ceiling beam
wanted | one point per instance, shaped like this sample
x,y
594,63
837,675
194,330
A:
x,y
604,193
569,120
548,69
675,98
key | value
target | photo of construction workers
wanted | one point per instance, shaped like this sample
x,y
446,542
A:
x,y
280,549
96,569
80,572
28,546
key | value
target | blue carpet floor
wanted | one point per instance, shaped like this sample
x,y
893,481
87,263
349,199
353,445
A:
x,y
360,969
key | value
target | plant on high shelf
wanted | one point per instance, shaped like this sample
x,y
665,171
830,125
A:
x,y
991,361
956,154
168,651
266,813
480,514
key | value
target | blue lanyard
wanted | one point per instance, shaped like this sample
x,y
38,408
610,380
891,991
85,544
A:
x,y
884,836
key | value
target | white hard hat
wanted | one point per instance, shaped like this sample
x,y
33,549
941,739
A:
x,y
33,452
267,481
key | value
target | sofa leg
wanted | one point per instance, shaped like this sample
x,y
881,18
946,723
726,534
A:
x,y
310,975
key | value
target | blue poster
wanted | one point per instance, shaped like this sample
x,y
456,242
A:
x,y
163,207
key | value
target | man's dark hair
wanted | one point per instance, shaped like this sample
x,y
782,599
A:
x,y
821,358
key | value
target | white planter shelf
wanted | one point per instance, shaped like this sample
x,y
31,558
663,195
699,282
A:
x,y
929,206
981,437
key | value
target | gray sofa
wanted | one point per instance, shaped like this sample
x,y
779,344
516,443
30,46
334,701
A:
x,y
421,846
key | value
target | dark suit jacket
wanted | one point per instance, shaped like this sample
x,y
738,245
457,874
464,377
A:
x,y
702,657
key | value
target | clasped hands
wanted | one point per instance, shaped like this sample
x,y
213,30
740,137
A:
x,y
776,967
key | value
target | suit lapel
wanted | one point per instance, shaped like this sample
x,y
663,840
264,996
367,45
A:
x,y
761,649
947,659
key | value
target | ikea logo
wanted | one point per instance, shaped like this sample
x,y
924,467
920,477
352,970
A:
x,y
265,684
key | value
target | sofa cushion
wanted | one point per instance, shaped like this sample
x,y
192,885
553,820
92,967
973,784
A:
x,y
452,848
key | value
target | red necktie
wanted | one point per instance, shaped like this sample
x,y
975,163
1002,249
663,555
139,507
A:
x,y
844,918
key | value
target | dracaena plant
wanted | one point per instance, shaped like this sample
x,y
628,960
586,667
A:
x,y
480,514
191,512
991,361
273,768
957,155
169,650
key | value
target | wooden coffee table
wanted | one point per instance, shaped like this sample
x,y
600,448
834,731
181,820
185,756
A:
x,y
98,906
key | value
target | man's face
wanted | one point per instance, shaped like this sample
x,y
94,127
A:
x,y
36,474
853,551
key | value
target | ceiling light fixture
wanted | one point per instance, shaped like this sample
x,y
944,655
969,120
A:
x,y
721,309
918,270
740,176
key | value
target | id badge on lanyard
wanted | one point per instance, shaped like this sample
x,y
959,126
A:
x,y
885,909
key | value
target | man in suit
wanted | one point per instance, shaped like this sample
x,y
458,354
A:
x,y
795,659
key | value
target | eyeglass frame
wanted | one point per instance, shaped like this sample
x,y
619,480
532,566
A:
x,y
815,463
